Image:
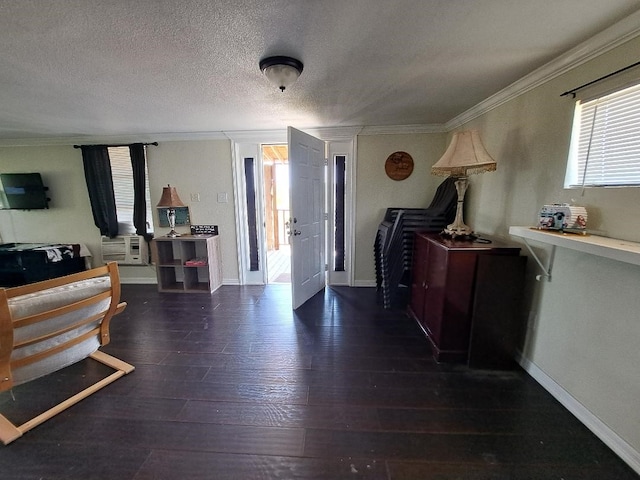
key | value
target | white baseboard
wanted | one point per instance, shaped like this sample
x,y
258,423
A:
x,y
364,283
154,281
139,281
625,451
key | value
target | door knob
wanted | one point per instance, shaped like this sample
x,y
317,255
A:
x,y
296,232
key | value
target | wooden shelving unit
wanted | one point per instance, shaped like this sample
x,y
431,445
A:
x,y
175,275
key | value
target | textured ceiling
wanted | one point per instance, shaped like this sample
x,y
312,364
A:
x,y
91,68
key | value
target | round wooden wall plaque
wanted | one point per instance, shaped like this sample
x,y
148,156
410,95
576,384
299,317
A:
x,y
399,165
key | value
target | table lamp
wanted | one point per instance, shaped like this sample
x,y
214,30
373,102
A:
x,y
465,155
170,200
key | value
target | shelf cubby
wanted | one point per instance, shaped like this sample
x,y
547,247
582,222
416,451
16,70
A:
x,y
171,254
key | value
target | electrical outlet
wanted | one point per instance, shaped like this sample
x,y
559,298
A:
x,y
222,197
195,197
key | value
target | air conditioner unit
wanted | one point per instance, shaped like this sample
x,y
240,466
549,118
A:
x,y
125,250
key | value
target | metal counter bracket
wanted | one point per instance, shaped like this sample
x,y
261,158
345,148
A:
x,y
547,270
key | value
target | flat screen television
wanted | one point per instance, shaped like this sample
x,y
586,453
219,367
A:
x,y
24,191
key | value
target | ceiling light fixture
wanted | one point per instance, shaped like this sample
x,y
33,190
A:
x,y
281,71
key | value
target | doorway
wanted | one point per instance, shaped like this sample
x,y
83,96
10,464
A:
x,y
275,161
250,210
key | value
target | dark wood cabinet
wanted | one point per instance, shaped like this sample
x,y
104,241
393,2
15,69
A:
x,y
465,295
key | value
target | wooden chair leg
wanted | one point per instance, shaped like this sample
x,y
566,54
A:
x,y
9,432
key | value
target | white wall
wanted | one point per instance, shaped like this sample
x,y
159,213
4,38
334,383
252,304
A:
x,y
202,167
375,191
584,327
69,217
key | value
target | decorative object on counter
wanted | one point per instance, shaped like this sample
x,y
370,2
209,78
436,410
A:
x,y
399,165
466,155
204,229
281,71
170,200
563,217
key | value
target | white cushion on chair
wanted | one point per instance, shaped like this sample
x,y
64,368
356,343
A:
x,y
46,300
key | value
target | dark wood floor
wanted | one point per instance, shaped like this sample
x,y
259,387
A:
x,y
237,386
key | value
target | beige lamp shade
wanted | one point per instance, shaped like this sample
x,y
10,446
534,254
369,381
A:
x,y
170,198
466,155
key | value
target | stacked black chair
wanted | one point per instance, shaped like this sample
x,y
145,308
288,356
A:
x,y
389,257
393,245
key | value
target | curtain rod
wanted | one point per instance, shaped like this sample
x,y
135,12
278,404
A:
x,y
124,145
573,91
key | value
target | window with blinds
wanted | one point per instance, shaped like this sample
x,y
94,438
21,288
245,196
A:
x,y
122,175
605,142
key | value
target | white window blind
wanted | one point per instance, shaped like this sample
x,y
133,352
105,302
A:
x,y
605,143
122,175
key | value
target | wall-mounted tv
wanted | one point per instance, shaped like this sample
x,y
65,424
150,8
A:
x,y
24,191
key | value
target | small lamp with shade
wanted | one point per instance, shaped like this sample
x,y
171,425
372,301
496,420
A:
x,y
465,155
170,200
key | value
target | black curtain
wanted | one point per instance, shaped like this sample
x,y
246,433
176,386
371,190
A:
x,y
138,161
97,173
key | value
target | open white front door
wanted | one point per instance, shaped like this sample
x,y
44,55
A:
x,y
307,224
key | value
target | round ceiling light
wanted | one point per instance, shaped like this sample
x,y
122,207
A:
x,y
281,71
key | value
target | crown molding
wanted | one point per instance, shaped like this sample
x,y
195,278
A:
x,y
332,133
335,134
111,139
402,129
259,136
608,39
270,136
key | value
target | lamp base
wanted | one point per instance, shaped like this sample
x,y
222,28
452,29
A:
x,y
461,231
458,229
171,218
458,235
